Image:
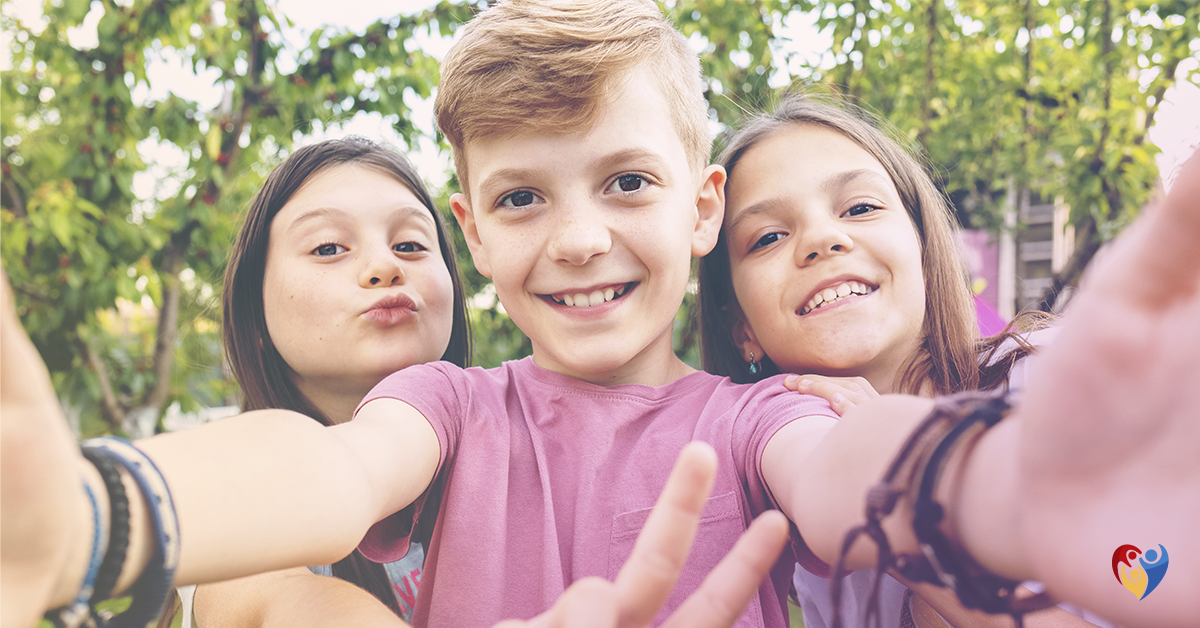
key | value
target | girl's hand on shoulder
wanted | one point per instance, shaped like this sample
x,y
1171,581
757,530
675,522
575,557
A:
x,y
842,393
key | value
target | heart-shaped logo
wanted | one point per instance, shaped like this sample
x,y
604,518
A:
x,y
1143,576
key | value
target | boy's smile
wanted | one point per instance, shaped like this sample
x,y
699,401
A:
x,y
589,236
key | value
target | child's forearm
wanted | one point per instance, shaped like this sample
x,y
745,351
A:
x,y
262,491
253,493
824,490
294,597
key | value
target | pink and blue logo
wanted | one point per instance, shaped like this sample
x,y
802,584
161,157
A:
x,y
1140,577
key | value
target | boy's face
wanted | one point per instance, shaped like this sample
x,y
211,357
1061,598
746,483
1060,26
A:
x,y
589,236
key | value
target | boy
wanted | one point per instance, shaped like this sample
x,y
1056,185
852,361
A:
x,y
585,213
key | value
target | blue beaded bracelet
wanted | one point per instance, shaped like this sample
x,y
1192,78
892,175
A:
x,y
156,582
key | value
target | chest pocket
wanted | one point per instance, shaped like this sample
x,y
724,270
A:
x,y
721,524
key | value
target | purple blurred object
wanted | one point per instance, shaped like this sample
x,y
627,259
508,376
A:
x,y
990,321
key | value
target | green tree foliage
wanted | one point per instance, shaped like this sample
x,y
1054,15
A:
x,y
83,252
1057,94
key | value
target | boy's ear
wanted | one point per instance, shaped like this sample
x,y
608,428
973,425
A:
x,y
710,210
744,338
461,206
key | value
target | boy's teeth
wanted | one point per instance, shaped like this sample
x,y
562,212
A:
x,y
597,297
831,294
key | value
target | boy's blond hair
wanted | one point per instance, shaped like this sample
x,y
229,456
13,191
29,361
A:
x,y
549,66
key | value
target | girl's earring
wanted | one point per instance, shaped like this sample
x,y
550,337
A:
x,y
753,364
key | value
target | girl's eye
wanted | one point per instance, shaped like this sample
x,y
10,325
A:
x,y
860,209
628,183
326,250
408,247
520,198
766,240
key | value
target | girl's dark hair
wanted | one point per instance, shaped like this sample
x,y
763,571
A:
x,y
264,377
951,356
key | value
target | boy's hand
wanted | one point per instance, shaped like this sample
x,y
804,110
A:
x,y
1109,427
42,501
842,393
646,580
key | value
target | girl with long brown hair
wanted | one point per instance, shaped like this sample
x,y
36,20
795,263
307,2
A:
x,y
341,274
838,262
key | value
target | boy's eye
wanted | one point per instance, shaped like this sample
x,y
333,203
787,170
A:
x,y
520,198
408,247
326,250
860,209
768,239
628,183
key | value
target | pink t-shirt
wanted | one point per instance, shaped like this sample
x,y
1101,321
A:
x,y
544,479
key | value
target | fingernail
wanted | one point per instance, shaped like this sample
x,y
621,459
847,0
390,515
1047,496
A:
x,y
838,398
805,383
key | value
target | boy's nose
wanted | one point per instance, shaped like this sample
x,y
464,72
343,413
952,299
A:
x,y
381,270
581,235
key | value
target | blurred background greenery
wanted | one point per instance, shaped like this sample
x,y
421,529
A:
x,y
116,251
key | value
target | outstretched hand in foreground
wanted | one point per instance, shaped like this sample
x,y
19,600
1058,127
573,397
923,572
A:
x,y
1108,429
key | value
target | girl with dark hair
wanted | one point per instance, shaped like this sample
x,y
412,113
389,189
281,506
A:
x,y
837,262
341,274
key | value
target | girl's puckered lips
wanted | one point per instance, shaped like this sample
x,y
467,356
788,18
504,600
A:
x,y
392,309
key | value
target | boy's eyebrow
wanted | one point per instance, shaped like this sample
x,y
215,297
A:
x,y
619,158
409,211
501,178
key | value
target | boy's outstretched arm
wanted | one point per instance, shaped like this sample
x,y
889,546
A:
x,y
273,489
1100,451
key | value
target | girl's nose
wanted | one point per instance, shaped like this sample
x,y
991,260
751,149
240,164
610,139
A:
x,y
381,270
821,240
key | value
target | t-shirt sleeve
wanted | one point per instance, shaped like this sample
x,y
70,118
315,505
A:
x,y
437,391
771,407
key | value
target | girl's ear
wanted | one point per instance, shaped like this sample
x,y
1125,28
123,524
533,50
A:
x,y
710,210
461,206
744,338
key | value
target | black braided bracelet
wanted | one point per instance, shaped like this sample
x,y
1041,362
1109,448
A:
x,y
914,474
118,536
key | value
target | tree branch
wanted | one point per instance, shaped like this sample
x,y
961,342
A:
x,y
14,196
110,409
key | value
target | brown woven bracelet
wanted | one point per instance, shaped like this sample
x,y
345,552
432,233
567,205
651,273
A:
x,y
914,474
